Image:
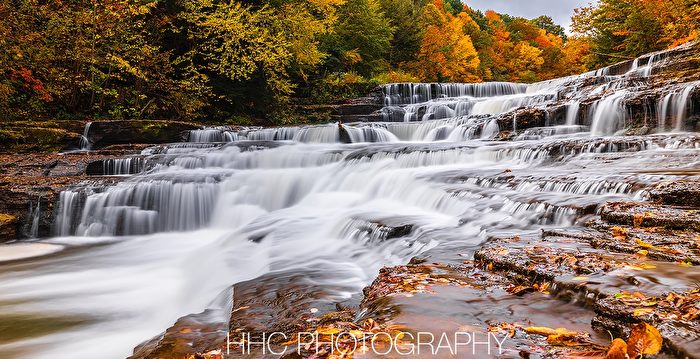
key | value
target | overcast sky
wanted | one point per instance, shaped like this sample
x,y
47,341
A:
x,y
559,10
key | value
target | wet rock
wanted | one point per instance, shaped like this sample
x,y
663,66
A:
x,y
606,282
190,334
677,193
524,118
107,133
650,215
363,109
28,139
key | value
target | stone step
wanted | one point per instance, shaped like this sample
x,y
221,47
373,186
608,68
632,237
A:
x,y
651,215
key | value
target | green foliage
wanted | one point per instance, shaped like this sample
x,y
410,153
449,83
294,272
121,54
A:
x,y
403,15
362,37
343,85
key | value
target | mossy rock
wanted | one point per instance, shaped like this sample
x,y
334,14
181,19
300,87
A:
x,y
106,133
23,139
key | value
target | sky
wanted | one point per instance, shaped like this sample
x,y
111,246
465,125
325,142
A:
x,y
559,10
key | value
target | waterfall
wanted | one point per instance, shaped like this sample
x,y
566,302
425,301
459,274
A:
x,y
370,134
608,114
675,105
85,143
411,93
35,216
123,166
66,213
490,130
572,112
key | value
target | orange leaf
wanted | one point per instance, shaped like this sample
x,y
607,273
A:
x,y
644,340
618,350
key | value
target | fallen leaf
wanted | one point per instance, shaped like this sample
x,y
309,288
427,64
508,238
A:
x,y
567,340
619,232
328,331
618,350
639,218
545,331
580,278
643,244
592,354
642,311
644,340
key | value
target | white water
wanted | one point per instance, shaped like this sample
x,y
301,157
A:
x,y
85,143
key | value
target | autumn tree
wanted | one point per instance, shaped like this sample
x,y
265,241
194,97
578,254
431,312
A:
x,y
446,52
622,29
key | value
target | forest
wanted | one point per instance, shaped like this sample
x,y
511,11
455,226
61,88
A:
x,y
242,61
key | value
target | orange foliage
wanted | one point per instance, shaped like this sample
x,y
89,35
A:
x,y
446,52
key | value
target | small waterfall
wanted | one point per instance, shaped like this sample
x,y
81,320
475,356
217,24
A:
x,y
214,134
572,112
608,114
148,207
412,93
68,203
318,134
123,166
35,216
676,106
369,134
270,134
85,143
490,130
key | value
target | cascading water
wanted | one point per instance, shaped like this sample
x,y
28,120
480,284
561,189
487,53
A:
x,y
675,106
85,138
608,114
233,204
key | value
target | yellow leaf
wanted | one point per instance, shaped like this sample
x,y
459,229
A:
x,y
644,340
642,311
357,333
643,244
327,330
579,279
545,331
